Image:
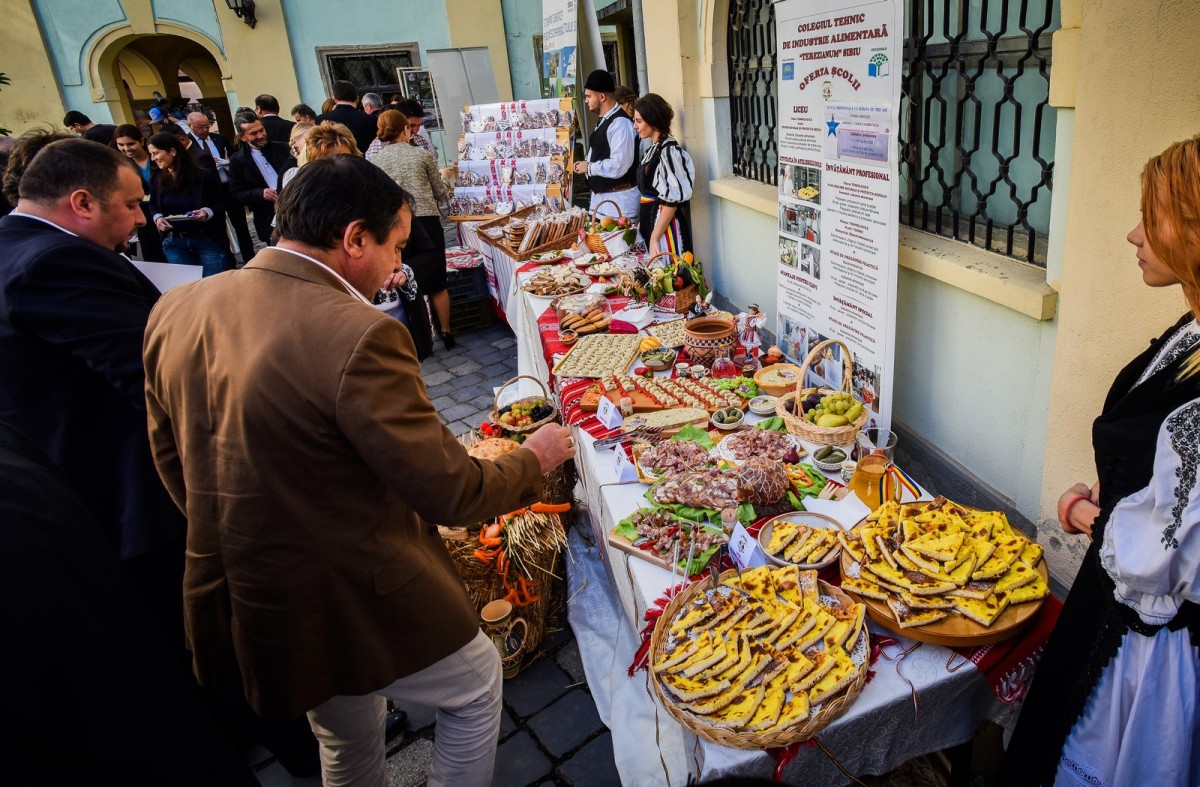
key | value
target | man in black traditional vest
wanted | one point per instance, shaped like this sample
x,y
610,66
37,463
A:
x,y
611,165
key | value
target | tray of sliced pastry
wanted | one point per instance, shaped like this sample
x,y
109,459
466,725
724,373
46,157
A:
x,y
944,573
764,659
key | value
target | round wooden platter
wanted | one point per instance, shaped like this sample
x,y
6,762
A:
x,y
953,631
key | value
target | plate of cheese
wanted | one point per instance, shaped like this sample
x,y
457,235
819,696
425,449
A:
x,y
944,573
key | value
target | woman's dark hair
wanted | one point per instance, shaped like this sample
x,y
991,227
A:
x,y
21,154
411,108
656,112
183,172
328,194
305,111
127,130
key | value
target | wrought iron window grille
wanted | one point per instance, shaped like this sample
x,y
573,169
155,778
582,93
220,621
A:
x,y
752,90
976,129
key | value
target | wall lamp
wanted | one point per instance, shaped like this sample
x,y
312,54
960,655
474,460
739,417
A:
x,y
244,9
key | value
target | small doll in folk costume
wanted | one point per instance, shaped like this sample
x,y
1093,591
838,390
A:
x,y
748,325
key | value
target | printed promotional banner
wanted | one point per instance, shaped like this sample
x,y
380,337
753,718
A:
x,y
560,42
839,180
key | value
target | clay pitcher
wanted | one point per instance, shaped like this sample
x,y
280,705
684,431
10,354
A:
x,y
500,625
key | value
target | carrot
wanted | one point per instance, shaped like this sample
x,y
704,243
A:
x,y
550,508
501,563
489,542
484,555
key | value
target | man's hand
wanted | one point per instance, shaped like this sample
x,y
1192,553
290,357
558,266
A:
x,y
579,167
552,445
269,195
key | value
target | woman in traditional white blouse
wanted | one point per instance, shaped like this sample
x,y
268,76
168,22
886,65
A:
x,y
1116,698
665,179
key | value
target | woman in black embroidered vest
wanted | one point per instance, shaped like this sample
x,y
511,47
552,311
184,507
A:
x,y
664,178
1116,698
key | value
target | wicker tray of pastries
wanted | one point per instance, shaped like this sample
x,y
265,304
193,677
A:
x,y
765,659
944,573
599,355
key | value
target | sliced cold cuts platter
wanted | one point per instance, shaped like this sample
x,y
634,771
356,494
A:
x,y
658,393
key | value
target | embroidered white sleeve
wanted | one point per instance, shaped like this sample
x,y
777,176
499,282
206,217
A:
x,y
675,174
1151,546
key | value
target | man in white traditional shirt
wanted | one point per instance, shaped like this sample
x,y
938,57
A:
x,y
611,165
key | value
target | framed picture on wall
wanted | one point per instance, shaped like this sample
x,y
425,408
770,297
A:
x,y
417,83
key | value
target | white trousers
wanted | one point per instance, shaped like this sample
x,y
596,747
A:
x,y
465,687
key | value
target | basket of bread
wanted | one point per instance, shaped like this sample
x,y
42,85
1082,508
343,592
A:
x,y
763,659
823,415
944,573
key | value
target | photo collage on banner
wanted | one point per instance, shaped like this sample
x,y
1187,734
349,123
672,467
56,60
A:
x,y
560,43
839,98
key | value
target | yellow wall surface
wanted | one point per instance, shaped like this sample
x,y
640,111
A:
x,y
33,98
259,59
482,24
1135,93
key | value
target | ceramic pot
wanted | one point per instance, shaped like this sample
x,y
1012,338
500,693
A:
x,y
709,338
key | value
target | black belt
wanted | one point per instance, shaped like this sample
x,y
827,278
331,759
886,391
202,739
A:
x,y
618,187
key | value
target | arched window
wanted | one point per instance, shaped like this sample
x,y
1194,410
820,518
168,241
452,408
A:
x,y
752,89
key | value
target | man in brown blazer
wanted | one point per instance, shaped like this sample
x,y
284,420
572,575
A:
x,y
290,423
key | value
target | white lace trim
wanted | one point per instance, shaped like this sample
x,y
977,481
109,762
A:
x,y
1182,341
1082,773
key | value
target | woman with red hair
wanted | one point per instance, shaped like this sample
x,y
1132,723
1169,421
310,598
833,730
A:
x,y
1116,697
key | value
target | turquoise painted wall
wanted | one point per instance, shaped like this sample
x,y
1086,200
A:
x,y
201,17
312,24
522,21
69,29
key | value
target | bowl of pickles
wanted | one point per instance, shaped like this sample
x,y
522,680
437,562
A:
x,y
829,458
658,358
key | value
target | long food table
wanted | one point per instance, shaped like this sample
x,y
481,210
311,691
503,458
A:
x,y
917,700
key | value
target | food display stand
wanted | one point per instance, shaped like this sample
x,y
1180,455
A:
x,y
918,698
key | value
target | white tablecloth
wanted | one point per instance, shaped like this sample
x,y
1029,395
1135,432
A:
x,y
610,591
501,268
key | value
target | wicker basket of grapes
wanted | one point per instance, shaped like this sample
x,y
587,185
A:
x,y
823,415
525,415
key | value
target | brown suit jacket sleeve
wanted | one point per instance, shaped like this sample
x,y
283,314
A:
x,y
384,412
164,449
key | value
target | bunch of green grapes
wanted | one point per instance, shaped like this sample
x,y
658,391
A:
x,y
834,404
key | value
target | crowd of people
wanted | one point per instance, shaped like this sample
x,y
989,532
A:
x,y
240,536
199,185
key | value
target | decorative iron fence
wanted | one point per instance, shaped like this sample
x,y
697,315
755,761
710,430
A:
x,y
752,89
977,131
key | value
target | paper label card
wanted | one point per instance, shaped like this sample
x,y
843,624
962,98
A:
x,y
625,469
744,548
608,414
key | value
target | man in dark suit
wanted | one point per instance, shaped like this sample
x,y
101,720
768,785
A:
x,y
71,326
267,108
219,147
346,112
254,172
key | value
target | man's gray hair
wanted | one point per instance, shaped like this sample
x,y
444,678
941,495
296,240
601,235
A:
x,y
374,99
